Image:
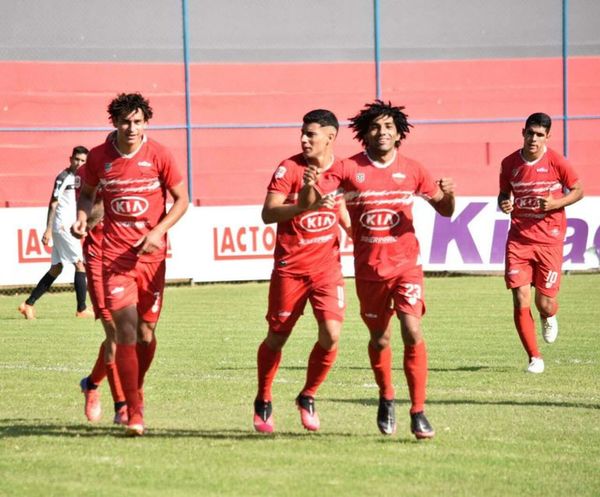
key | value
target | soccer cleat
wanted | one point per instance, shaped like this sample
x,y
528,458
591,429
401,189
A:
x,y
92,407
536,365
27,310
420,427
121,416
135,425
308,412
263,416
86,313
386,417
549,329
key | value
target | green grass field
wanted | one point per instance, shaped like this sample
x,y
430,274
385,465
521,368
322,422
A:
x,y
500,431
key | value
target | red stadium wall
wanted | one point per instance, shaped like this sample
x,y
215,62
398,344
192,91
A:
x,y
232,166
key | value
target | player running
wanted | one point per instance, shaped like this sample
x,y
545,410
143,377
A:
x,y
380,187
105,366
536,184
135,173
307,268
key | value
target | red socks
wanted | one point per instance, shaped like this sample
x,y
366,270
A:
x,y
415,370
145,354
319,364
268,363
526,329
381,364
99,371
112,375
127,365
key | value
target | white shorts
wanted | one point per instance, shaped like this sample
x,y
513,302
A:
x,y
65,247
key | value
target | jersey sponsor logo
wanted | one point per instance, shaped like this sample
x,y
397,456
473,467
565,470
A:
x,y
317,221
107,166
129,206
145,164
117,289
280,172
528,203
541,170
398,178
380,219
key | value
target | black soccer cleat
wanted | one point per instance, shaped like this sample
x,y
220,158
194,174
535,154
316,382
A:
x,y
386,417
263,416
420,426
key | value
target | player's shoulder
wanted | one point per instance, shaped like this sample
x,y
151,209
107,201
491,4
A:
x,y
555,156
294,161
62,175
512,158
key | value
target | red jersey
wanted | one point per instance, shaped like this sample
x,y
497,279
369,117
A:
x,y
134,189
308,243
379,199
528,182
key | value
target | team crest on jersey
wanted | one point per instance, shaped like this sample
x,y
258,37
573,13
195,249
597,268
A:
x,y
360,177
107,166
77,181
280,173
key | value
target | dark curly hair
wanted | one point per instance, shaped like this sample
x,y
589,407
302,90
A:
x,y
361,122
126,103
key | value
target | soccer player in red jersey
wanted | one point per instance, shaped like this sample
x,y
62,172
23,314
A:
x,y
536,184
307,268
105,366
380,187
136,173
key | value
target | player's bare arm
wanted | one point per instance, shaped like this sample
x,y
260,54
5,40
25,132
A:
x,y
154,239
443,202
549,203
96,214
47,236
84,208
275,210
344,219
505,202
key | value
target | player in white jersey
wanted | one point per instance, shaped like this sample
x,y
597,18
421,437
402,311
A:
x,y
65,247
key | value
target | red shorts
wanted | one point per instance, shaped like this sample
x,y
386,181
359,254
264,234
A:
x,y
540,265
288,296
378,300
141,285
95,284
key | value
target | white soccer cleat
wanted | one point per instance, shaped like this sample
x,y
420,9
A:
x,y
550,329
536,365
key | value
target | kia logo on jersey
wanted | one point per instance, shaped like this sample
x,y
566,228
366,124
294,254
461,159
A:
x,y
317,221
129,206
528,203
380,219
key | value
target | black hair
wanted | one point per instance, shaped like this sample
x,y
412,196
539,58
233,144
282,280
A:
x,y
322,117
539,119
80,149
126,103
361,122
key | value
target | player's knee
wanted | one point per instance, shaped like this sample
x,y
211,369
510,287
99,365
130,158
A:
x,y
380,342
